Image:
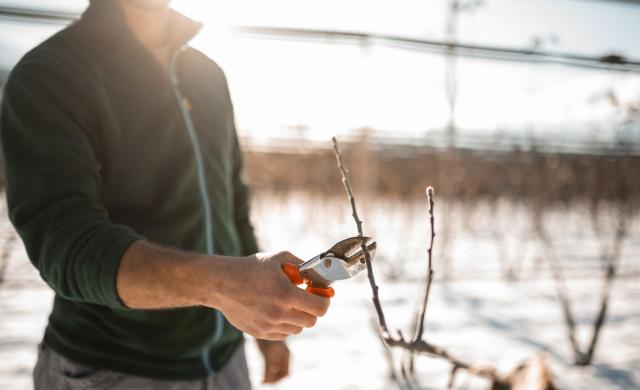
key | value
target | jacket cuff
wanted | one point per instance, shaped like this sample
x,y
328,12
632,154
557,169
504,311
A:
x,y
115,247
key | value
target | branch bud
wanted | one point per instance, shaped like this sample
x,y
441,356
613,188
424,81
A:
x,y
430,192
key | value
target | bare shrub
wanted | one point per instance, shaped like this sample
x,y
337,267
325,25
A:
x,y
417,344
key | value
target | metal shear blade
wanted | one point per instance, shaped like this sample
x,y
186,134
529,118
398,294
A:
x,y
344,260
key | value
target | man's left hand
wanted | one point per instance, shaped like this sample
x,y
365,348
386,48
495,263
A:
x,y
276,360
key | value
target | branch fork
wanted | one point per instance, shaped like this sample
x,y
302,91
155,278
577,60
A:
x,y
417,344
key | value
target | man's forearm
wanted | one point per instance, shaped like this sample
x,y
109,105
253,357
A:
x,y
252,292
155,277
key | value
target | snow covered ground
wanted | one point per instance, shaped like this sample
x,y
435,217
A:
x,y
473,312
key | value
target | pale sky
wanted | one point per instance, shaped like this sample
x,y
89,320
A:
x,y
336,88
331,87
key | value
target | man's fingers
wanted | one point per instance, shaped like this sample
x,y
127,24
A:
x,y
272,377
274,336
288,257
310,303
300,318
276,363
284,366
269,378
285,369
272,373
288,329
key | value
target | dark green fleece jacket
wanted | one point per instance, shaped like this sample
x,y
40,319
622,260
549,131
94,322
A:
x,y
98,154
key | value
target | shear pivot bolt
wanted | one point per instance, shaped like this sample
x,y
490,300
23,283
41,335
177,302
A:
x,y
327,263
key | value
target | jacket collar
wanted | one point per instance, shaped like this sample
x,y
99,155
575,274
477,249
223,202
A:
x,y
105,23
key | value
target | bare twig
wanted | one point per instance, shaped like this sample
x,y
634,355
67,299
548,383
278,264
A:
x,y
408,355
408,361
452,377
559,280
610,260
393,375
425,300
384,331
417,345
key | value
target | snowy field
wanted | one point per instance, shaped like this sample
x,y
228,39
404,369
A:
x,y
474,311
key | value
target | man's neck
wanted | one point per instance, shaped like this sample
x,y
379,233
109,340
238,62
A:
x,y
150,26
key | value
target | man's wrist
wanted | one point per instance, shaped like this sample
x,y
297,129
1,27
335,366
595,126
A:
x,y
191,278
210,278
151,276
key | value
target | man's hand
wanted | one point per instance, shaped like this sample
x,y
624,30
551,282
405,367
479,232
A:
x,y
257,297
276,360
252,292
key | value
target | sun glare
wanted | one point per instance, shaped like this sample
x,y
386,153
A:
x,y
328,87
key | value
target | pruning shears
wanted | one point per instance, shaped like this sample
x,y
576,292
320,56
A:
x,y
344,260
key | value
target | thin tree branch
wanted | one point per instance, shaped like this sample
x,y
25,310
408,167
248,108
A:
x,y
610,263
560,287
384,331
393,375
425,300
418,346
452,377
610,258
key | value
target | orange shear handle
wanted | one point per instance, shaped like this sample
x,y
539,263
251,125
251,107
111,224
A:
x,y
292,272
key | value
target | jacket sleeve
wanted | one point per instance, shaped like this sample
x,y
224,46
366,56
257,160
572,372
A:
x,y
53,182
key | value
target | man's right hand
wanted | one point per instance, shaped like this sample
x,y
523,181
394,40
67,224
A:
x,y
253,292
256,296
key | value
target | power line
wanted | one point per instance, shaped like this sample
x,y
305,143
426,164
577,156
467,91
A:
x,y
46,16
609,62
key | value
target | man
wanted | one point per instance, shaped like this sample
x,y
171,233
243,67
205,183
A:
x,y
123,180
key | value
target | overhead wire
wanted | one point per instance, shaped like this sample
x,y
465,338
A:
x,y
610,61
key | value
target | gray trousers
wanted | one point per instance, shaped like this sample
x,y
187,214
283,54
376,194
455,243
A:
x,y
55,372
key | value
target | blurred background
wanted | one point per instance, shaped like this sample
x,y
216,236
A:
x,y
523,115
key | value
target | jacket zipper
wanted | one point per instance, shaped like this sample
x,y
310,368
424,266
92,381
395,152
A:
x,y
204,193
